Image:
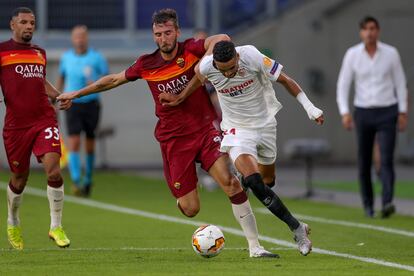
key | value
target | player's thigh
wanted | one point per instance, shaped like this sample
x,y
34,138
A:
x,y
18,144
209,144
47,141
241,145
179,156
74,119
267,148
90,118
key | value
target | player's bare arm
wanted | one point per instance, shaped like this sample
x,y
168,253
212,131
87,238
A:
x,y
53,93
105,83
295,90
168,99
174,100
60,82
212,40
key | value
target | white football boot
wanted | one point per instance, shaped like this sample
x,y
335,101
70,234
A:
x,y
302,240
260,252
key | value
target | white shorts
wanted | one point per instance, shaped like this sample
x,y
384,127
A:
x,y
260,143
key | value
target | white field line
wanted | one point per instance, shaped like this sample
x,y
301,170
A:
x,y
134,249
124,210
346,223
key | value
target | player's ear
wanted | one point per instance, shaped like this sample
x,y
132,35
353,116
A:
x,y
178,32
12,24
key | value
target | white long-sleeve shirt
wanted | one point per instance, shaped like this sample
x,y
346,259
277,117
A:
x,y
379,81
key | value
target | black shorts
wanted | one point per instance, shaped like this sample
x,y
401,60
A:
x,y
83,117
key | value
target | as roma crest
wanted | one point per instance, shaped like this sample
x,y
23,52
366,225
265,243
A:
x,y
180,62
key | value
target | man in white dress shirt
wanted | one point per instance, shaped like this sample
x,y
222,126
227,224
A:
x,y
380,108
242,77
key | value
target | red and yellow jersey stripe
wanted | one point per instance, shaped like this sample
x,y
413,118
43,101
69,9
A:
x,y
171,70
22,56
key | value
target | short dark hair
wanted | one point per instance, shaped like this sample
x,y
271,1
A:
x,y
364,21
165,15
18,10
224,51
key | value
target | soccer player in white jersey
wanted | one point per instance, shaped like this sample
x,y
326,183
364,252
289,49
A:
x,y
242,77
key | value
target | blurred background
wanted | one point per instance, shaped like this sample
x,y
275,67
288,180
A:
x,y
309,37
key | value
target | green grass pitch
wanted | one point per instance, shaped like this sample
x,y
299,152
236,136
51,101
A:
x,y
111,242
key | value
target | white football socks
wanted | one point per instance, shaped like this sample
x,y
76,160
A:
x,y
244,215
55,196
13,203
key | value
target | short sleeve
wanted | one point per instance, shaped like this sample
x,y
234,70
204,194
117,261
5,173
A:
x,y
204,65
134,71
195,46
269,67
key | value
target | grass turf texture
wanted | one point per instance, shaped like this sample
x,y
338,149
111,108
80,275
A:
x,y
403,189
110,243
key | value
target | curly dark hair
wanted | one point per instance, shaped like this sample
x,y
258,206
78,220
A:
x,y
165,15
224,51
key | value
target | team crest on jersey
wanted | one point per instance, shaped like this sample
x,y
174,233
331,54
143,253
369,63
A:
x,y
177,185
180,62
267,61
241,72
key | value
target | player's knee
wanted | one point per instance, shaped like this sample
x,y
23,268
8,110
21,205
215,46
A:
x,y
269,180
190,210
18,186
255,182
231,185
54,176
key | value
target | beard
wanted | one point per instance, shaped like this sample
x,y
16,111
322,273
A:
x,y
27,37
168,50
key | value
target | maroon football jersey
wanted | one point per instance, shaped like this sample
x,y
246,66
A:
x,y
173,76
22,80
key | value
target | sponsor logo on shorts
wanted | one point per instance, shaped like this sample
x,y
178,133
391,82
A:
x,y
55,144
15,163
177,185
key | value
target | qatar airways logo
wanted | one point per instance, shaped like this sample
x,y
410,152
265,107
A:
x,y
174,86
30,71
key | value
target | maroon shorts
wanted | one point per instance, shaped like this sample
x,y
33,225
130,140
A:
x,y
180,155
20,143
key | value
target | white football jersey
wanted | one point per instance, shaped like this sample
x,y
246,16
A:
x,y
247,100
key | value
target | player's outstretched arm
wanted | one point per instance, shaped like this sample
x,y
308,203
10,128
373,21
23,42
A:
x,y
105,83
212,40
295,90
168,99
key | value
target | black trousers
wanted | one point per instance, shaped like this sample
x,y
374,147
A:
x,y
381,124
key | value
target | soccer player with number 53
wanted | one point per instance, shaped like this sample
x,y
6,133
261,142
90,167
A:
x,y
30,124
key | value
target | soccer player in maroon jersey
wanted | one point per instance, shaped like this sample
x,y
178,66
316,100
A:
x,y
30,124
186,134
